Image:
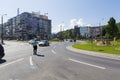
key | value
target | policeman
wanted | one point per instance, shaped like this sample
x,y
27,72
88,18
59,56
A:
x,y
2,54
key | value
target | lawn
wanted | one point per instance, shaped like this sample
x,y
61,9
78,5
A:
x,y
114,48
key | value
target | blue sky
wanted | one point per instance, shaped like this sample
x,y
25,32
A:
x,y
66,12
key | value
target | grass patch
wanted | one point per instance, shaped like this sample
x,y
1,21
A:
x,y
113,49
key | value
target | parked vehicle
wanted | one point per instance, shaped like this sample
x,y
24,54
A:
x,y
2,54
43,43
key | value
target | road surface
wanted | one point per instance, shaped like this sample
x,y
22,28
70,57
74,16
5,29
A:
x,y
55,62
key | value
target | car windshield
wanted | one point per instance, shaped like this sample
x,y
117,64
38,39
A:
x,y
60,40
43,40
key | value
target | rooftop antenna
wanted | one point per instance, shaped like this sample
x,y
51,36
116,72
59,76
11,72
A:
x,y
18,11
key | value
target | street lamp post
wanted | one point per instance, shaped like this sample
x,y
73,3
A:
x,y
61,25
2,28
101,28
100,31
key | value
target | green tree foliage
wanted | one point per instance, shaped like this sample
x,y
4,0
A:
x,y
103,31
118,25
118,35
111,29
67,34
71,33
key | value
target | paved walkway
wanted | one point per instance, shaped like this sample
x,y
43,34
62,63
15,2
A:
x,y
99,54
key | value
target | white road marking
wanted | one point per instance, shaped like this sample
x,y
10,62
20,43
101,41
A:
x,y
12,62
33,66
53,52
87,63
31,62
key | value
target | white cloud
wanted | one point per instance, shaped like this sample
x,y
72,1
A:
x,y
78,22
58,28
55,29
61,26
72,23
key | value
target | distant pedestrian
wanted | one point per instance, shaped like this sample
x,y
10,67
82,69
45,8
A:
x,y
74,40
34,44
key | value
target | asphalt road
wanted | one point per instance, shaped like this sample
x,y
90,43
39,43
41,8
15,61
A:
x,y
55,62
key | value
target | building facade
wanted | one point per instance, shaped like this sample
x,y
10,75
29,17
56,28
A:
x,y
88,32
84,32
76,32
94,32
27,25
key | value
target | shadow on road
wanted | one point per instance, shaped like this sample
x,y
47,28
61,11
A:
x,y
40,55
2,61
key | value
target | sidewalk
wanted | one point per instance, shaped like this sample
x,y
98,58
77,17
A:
x,y
98,54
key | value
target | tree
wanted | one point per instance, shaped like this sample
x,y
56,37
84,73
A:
x,y
111,29
71,33
103,32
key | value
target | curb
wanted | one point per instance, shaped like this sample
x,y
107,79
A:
x,y
97,54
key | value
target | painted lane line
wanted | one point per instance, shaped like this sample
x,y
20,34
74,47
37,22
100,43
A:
x,y
31,62
12,62
53,52
33,66
87,63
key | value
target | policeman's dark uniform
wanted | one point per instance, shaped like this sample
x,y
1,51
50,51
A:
x,y
2,54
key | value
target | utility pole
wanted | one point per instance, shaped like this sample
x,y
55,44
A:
x,y
2,28
101,28
22,29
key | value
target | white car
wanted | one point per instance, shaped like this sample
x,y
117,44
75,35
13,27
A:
x,y
43,43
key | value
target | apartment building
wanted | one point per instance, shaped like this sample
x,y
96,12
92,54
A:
x,y
87,32
27,25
